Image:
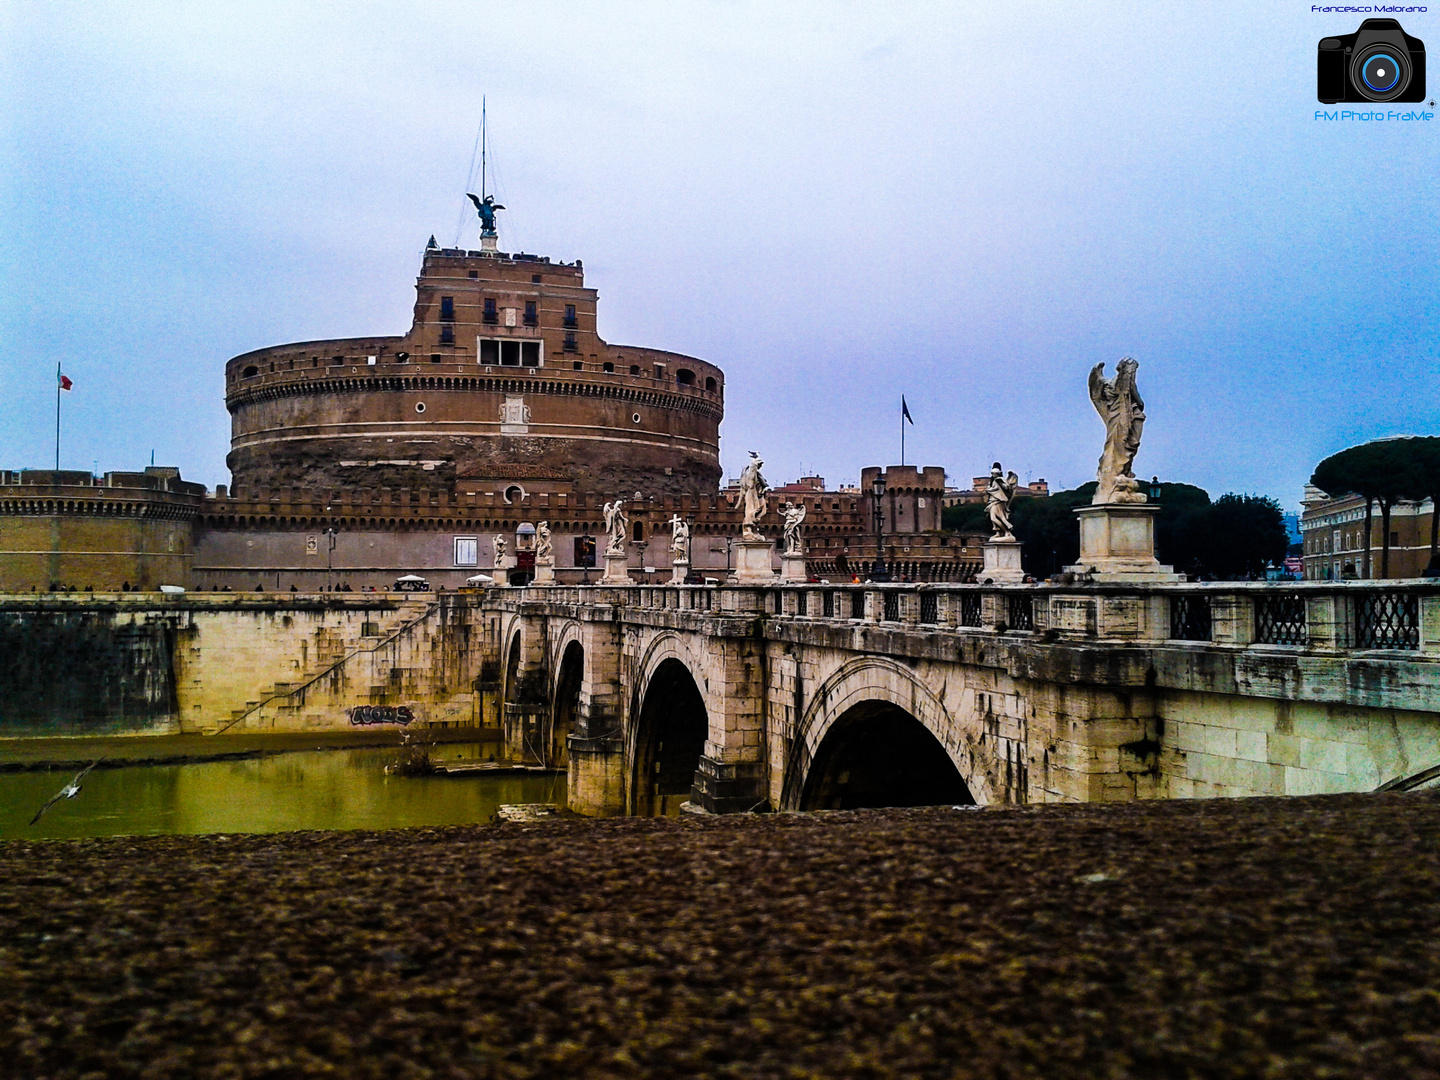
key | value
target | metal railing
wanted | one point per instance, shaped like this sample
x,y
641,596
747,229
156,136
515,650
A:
x,y
1190,617
1387,620
1281,620
1021,610
1312,615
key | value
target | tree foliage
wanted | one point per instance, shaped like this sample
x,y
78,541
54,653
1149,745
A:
x,y
1233,537
1243,534
1385,472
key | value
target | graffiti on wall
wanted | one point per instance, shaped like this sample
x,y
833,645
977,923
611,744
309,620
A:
x,y
365,715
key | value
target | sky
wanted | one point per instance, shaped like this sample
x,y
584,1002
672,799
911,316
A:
x,y
969,204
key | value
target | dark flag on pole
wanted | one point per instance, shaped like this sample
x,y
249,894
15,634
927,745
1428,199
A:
x,y
904,415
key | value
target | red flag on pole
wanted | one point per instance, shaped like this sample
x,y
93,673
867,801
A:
x,y
65,383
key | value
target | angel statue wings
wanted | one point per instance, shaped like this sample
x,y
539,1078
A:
x,y
679,539
754,493
999,493
793,514
616,524
1119,405
486,208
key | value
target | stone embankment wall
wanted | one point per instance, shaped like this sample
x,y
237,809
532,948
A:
x,y
142,664
1034,693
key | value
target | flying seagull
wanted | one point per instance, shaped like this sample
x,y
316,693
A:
x,y
69,791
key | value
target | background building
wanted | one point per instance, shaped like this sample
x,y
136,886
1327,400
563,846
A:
x,y
1333,531
124,530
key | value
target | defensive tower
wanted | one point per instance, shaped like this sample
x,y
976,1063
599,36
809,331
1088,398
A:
x,y
502,383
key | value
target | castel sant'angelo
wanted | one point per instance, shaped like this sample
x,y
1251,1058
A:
x,y
438,453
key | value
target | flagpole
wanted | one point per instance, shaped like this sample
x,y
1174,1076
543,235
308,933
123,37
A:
x,y
57,416
902,432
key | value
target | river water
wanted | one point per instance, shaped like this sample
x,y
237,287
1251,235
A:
x,y
308,789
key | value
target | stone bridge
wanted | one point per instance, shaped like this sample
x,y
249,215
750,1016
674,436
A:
x,y
733,698
807,697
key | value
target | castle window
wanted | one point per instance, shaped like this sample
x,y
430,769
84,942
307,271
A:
x,y
579,365
492,315
570,344
467,551
534,279
634,369
532,317
638,530
336,361
474,274
530,353
447,309
447,334
489,351
435,358
570,319
510,353
250,372
514,493
685,377
608,366
711,385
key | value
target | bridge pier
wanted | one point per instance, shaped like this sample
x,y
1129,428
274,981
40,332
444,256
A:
x,y
730,777
596,748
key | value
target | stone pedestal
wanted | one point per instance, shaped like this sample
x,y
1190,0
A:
x,y
489,242
752,562
792,568
616,569
680,571
1002,562
544,572
1117,543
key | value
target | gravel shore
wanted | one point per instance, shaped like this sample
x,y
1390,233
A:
x,y
1247,938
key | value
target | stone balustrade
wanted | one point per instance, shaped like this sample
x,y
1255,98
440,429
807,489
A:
x,y
1333,616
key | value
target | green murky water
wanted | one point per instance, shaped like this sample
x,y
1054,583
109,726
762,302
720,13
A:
x,y
331,789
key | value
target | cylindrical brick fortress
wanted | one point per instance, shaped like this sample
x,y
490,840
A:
x,y
502,382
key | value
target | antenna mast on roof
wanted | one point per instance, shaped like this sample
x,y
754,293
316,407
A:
x,y
485,204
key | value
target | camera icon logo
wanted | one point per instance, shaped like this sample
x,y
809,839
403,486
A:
x,y
1379,62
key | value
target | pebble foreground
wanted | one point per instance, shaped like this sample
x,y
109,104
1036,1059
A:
x,y
1247,938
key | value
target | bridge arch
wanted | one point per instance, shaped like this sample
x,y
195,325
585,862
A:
x,y
669,725
514,651
875,735
565,701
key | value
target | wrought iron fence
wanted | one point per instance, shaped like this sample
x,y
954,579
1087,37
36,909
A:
x,y
1022,613
1280,620
1387,620
892,606
970,609
929,607
827,604
1190,617
802,602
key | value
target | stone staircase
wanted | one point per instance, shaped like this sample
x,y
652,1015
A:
x,y
324,657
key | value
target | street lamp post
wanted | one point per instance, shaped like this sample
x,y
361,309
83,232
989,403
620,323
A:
x,y
330,559
878,572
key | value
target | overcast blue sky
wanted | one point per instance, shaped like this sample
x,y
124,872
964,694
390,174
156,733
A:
x,y
967,203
